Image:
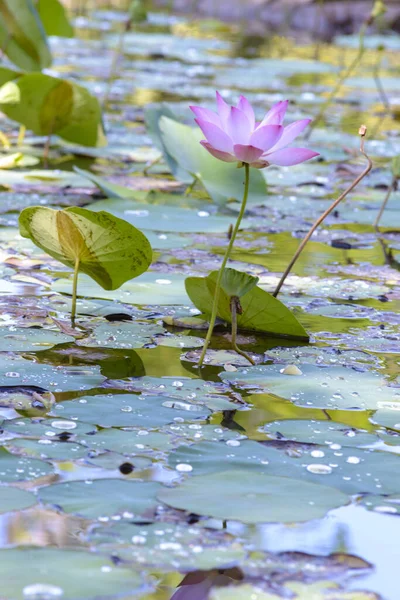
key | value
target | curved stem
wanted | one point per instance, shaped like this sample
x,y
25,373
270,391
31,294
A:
x,y
342,78
224,261
386,200
74,290
318,222
234,310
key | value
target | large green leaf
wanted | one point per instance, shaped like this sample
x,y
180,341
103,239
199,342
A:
x,y
8,75
54,18
223,181
321,590
261,311
22,36
253,497
48,105
109,250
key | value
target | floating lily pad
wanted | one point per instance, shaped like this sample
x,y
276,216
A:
x,y
321,590
12,498
65,573
389,505
18,339
129,442
17,371
148,289
175,219
128,410
253,497
46,449
169,545
347,469
180,341
14,468
48,428
103,497
319,432
334,388
121,335
388,417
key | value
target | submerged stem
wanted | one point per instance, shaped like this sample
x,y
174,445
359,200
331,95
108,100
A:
x,y
234,306
318,222
224,261
74,290
21,135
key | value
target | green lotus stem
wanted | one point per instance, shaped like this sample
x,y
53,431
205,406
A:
x,y
4,140
190,187
74,291
21,135
151,164
344,75
234,306
362,132
224,261
390,189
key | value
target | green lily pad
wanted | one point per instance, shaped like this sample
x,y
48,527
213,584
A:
x,y
333,388
319,432
321,590
14,469
108,249
70,574
113,461
172,546
157,217
148,289
48,428
389,505
12,498
24,339
180,341
121,335
46,449
261,311
102,497
347,469
388,417
253,497
128,410
17,371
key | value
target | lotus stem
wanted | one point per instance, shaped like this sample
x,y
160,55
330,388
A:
x,y
344,75
4,140
74,291
21,135
390,189
151,164
235,308
362,132
190,187
223,265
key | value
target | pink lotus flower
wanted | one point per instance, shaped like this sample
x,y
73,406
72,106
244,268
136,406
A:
x,y
233,134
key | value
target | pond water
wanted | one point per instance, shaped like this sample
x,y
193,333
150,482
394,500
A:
x,y
128,473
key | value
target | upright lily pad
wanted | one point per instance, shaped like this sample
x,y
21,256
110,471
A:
x,y
261,311
48,105
22,37
102,497
108,249
253,497
54,18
